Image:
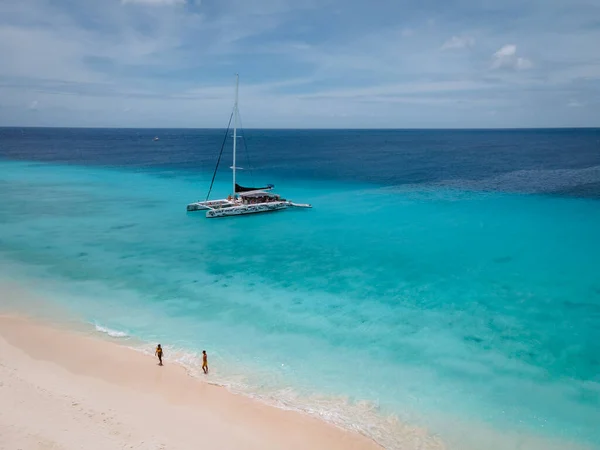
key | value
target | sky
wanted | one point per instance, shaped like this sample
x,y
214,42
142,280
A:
x,y
302,64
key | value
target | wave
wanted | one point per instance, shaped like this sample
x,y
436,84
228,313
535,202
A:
x,y
365,417
360,416
111,332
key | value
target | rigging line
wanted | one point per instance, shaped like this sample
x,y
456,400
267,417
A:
x,y
219,159
246,149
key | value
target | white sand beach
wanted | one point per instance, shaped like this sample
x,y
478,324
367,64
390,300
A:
x,y
64,390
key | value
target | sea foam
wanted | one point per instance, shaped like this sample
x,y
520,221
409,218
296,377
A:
x,y
110,332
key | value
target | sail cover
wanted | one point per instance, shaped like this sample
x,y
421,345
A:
x,y
239,188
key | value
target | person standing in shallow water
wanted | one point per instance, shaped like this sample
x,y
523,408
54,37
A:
x,y
204,361
158,353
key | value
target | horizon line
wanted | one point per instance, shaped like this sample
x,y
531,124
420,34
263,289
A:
x,y
311,129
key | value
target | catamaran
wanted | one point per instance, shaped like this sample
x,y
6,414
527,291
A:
x,y
243,200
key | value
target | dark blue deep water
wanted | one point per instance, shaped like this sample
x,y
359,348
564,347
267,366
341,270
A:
x,y
382,157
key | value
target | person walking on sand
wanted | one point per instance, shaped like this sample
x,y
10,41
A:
x,y
204,362
158,353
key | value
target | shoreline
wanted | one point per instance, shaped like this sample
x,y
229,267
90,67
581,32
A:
x,y
36,306
34,333
28,344
68,390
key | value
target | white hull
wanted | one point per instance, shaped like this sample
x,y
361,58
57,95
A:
x,y
247,209
211,204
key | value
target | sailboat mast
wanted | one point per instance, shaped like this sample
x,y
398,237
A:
x,y
235,117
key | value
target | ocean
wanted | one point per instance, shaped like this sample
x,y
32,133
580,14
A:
x,y
443,292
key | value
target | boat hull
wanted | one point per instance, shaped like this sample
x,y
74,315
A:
x,y
211,204
246,209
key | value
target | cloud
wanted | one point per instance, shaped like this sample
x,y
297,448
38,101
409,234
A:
x,y
300,46
155,2
415,89
506,52
458,42
523,63
506,58
575,104
88,63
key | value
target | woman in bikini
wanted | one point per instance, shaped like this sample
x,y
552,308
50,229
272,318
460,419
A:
x,y
158,353
204,361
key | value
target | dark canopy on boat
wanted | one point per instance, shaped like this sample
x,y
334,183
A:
x,y
239,188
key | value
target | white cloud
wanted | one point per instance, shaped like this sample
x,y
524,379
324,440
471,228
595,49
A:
x,y
407,32
458,42
506,58
523,64
575,104
155,2
38,52
34,105
506,51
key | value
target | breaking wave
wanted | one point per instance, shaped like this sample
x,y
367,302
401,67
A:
x,y
110,332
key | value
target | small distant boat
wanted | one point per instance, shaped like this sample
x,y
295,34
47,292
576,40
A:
x,y
155,138
243,200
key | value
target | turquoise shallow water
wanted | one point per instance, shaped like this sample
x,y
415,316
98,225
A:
x,y
437,305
